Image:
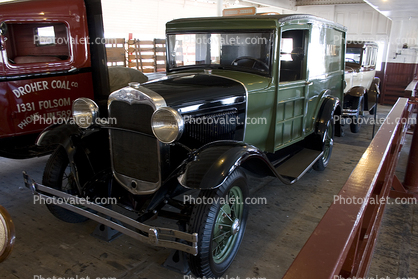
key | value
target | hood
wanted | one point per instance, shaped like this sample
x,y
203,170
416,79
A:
x,y
198,90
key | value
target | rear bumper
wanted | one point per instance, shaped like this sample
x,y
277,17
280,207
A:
x,y
161,237
349,112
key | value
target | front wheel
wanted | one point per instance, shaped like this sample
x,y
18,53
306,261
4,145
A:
x,y
220,223
58,175
327,145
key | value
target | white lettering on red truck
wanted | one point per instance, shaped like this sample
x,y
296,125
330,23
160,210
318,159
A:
x,y
43,85
48,104
28,120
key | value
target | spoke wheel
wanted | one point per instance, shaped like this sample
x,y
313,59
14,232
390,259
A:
x,y
7,234
227,225
220,226
327,145
58,175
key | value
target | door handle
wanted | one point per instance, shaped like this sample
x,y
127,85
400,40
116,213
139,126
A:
x,y
309,83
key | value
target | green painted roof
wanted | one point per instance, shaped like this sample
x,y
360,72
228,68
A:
x,y
245,22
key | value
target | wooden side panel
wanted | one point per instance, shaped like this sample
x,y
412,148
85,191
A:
x,y
116,52
397,78
147,56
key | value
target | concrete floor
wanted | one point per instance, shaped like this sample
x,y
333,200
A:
x,y
46,246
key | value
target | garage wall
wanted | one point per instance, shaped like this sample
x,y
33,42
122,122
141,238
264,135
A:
x,y
146,19
404,31
362,21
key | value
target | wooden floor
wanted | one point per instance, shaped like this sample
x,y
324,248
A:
x,y
275,232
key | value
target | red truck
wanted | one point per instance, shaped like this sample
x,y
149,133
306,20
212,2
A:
x,y
52,52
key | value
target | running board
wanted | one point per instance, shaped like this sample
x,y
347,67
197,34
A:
x,y
297,165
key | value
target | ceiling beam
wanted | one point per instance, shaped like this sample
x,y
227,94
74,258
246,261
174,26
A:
x,y
283,4
326,2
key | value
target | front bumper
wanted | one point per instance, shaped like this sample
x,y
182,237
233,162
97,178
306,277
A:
x,y
161,237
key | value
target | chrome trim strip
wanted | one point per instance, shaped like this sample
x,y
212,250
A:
x,y
142,187
155,237
136,93
41,138
350,112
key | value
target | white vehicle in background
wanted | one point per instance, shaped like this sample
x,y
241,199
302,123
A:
x,y
362,88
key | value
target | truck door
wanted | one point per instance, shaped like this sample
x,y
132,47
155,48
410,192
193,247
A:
x,y
4,125
293,85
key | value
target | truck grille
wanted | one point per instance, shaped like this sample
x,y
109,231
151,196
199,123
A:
x,y
211,127
135,152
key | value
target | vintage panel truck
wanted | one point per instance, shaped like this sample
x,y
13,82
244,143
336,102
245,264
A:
x,y
242,94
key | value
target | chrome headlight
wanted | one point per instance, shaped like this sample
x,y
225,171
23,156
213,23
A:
x,y
85,112
167,124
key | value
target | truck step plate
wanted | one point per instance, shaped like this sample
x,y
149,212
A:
x,y
297,165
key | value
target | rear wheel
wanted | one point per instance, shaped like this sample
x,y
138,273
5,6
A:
x,y
355,120
58,175
220,224
327,144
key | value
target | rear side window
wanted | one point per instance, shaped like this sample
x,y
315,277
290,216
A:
x,y
37,43
45,36
370,57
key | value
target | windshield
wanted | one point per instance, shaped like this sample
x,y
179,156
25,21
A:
x,y
249,51
353,54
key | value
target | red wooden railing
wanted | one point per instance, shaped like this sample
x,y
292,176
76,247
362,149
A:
x,y
342,244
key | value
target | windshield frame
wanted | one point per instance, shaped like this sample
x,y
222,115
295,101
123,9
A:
x,y
270,61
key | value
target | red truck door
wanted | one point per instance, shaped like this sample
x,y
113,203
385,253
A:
x,y
45,64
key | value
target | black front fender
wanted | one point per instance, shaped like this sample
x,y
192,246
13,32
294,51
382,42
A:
x,y
330,107
87,150
57,134
357,91
373,93
209,166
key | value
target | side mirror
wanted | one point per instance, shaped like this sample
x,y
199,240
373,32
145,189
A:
x,y
3,29
7,234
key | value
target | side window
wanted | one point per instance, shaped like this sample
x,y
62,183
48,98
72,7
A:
x,y
366,57
353,55
293,55
369,57
37,43
45,36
